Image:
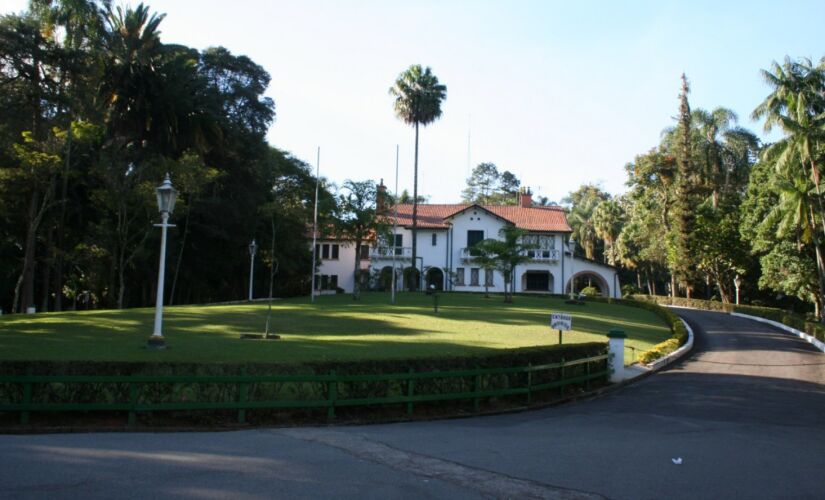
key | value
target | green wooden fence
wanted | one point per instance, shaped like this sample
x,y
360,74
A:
x,y
563,374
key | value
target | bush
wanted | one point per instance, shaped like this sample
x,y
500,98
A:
x,y
679,332
590,291
628,290
70,392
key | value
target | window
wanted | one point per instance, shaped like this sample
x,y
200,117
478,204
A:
x,y
474,276
399,242
326,281
365,251
435,238
473,237
327,251
459,276
488,277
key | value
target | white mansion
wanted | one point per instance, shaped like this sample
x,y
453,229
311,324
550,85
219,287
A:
x,y
445,235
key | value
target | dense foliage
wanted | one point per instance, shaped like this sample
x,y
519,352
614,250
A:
x,y
711,203
95,109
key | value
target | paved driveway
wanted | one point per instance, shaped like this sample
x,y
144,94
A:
x,y
745,413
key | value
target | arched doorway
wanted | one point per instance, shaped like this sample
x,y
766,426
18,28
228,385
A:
x,y
385,278
412,277
537,281
435,277
584,279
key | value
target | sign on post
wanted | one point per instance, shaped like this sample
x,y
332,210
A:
x,y
561,322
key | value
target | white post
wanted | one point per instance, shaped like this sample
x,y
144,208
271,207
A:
x,y
394,227
736,283
315,225
157,335
251,267
615,359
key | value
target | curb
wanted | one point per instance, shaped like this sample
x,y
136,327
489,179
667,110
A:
x,y
677,354
804,336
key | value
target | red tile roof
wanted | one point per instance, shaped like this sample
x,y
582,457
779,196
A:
x,y
529,218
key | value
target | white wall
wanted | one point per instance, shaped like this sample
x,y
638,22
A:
x,y
343,266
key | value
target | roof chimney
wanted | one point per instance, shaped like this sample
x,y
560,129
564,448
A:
x,y
381,197
525,197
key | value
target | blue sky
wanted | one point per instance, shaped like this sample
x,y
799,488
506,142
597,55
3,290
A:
x,y
560,93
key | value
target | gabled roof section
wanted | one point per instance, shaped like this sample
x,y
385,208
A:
x,y
542,219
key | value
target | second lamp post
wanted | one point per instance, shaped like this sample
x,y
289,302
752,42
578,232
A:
x,y
166,205
253,248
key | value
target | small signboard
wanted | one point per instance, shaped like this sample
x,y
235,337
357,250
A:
x,y
561,322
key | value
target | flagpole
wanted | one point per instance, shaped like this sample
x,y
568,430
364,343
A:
x,y
394,223
315,224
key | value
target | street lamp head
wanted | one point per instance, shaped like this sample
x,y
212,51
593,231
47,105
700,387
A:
x,y
253,247
737,281
166,196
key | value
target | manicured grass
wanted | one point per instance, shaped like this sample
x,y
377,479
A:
x,y
335,328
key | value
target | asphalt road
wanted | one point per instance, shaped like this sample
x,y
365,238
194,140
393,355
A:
x,y
745,413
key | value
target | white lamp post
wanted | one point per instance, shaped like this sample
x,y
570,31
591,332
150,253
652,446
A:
x,y
736,283
253,247
571,244
166,205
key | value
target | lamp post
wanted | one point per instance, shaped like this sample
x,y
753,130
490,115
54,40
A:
x,y
253,247
571,244
166,205
736,282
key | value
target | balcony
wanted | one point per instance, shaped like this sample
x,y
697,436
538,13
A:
x,y
540,255
387,253
468,254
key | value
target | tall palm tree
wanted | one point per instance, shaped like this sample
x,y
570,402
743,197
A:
x,y
797,106
418,96
608,218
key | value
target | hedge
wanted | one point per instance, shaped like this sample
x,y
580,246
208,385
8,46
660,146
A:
x,y
160,393
787,318
679,333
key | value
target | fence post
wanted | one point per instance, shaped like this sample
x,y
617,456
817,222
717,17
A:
x,y
410,391
529,383
333,395
615,359
243,394
561,379
476,390
133,398
27,398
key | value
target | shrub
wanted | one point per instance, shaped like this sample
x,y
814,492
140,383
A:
x,y
590,291
292,390
679,333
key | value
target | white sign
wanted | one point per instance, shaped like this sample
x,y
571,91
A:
x,y
559,321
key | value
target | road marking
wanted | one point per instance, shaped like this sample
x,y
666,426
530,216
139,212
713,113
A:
x,y
485,482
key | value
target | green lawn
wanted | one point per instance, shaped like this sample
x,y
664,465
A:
x,y
335,328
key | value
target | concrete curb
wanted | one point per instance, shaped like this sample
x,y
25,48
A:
x,y
804,336
677,354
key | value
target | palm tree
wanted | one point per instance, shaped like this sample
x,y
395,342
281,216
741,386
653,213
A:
x,y
506,254
418,97
797,106
607,222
